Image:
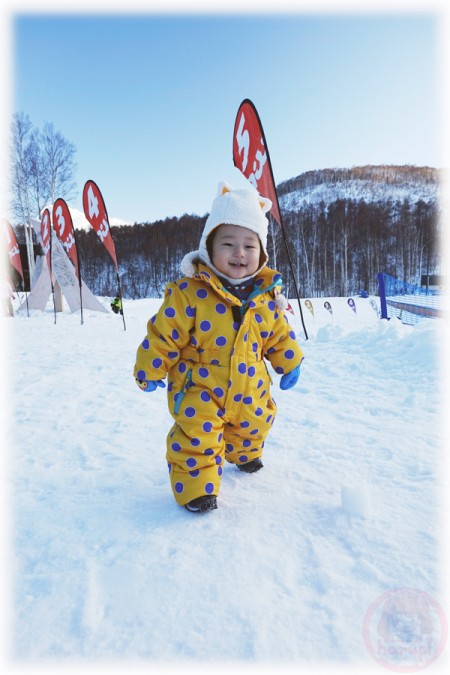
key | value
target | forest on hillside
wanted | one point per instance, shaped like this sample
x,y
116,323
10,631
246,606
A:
x,y
336,249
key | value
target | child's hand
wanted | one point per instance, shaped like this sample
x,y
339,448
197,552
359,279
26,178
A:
x,y
149,385
290,379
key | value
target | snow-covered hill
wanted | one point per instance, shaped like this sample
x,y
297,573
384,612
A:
x,y
371,184
107,568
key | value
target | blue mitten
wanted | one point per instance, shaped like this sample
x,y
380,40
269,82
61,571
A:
x,y
149,385
290,379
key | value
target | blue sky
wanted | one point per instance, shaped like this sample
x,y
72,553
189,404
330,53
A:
x,y
150,100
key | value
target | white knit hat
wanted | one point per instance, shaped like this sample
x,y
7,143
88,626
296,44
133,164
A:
x,y
245,208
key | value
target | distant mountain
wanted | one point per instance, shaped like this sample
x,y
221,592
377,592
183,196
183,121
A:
x,y
368,183
81,223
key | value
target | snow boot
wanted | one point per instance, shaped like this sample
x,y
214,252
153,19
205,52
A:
x,y
202,504
251,467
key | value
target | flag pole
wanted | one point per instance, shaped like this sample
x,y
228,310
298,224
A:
x,y
121,299
51,278
79,275
288,253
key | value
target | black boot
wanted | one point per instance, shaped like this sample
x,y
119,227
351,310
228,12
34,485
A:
x,y
251,467
202,504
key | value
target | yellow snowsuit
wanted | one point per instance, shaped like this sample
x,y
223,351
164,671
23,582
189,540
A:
x,y
212,346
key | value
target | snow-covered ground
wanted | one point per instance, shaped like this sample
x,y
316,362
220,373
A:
x,y
105,567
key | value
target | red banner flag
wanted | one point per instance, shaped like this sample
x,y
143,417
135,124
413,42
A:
x,y
95,211
63,225
13,248
46,238
251,155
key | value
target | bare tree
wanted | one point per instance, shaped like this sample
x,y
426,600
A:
x,y
42,169
58,164
23,153
275,239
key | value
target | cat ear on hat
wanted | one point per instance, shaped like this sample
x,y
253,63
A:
x,y
265,204
223,188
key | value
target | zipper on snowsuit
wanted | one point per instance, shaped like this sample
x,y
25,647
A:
x,y
239,311
259,291
186,384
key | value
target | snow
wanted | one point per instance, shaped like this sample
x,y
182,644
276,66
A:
x,y
105,567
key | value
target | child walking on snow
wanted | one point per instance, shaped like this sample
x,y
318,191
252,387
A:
x,y
211,336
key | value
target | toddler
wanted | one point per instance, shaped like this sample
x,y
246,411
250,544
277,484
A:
x,y
211,336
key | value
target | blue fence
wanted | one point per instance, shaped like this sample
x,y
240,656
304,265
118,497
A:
x,y
407,302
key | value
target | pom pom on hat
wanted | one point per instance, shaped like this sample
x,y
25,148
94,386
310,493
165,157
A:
x,y
242,207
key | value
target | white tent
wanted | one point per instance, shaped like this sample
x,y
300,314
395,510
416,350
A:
x,y
64,280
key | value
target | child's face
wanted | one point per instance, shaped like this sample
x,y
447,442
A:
x,y
236,251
